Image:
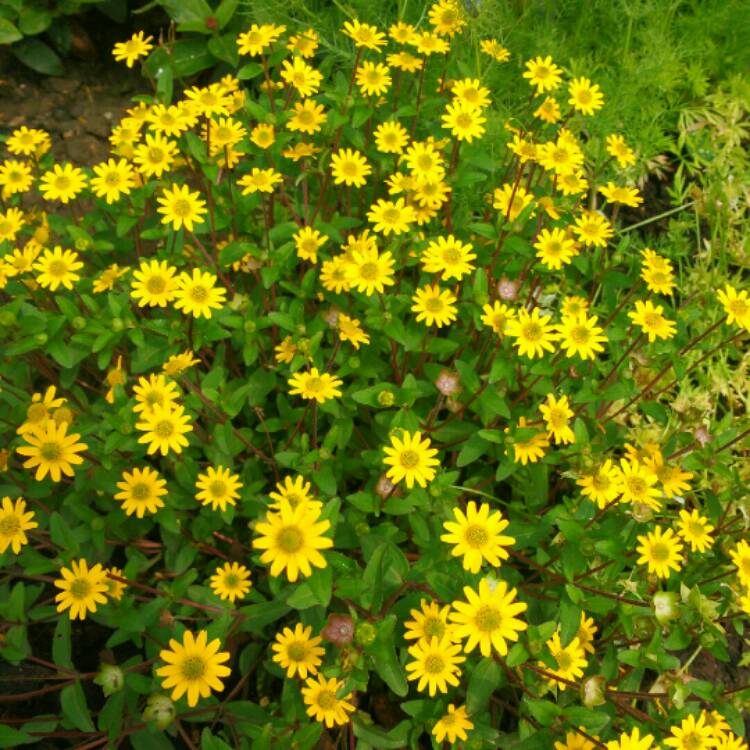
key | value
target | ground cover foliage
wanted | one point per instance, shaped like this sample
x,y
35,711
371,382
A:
x,y
343,409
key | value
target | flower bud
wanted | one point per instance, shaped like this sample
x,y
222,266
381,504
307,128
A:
x,y
385,488
593,691
339,629
160,710
507,290
111,679
41,338
63,414
365,634
250,326
448,383
665,606
386,398
117,324
641,512
79,322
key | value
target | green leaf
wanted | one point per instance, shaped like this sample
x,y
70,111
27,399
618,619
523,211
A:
x,y
570,620
11,738
387,665
209,741
372,580
545,712
225,48
484,680
8,32
223,14
188,11
36,55
378,738
32,21
472,449
61,643
74,708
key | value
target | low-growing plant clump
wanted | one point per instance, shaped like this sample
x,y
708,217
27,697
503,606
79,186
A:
x,y
341,412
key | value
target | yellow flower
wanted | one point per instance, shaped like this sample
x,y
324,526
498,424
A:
x,y
585,97
593,229
741,558
115,589
154,390
108,277
449,257
488,618
632,741
434,305
369,271
28,141
165,428
478,536
285,351
198,294
555,248
321,695
15,521
511,201
692,734
259,181
391,137
15,177
292,539
673,480
389,217
208,101
452,725
156,156
410,458
428,43
404,61
173,119
294,492
602,485
401,32
263,136
658,274
136,47
373,79
351,330
465,121
493,48
51,450
364,35
637,484
81,589
447,17
580,335
661,551
302,77
696,530
423,160
557,414
430,621
231,581
257,39
179,362
617,147
315,385
154,283
533,333
193,667
10,223
62,183
297,652
650,319
349,167
571,661
496,316
548,111
181,207
57,267
304,44
543,73
470,93
435,664
218,488
307,117
736,305
113,179
141,491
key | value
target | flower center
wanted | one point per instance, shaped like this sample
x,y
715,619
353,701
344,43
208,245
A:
x,y
660,552
62,183
391,215
564,660
182,207
369,271
696,529
327,700
36,413
50,451
193,668
297,651
199,293
57,268
409,459
557,419
80,588
464,120
290,539
164,429
580,335
488,619
652,320
10,525
434,305
231,581
476,536
433,627
600,482
156,155
452,256
532,332
738,308
112,179
218,488
434,664
425,163
140,491
156,284
637,486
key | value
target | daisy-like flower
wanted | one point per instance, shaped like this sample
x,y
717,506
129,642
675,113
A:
x,y
141,491
302,77
488,617
511,201
369,271
496,316
391,137
736,305
138,46
410,458
81,589
373,79
447,17
154,283
533,333
424,161
194,666
673,480
435,664
453,725
471,93
364,35
586,632
115,588
404,61
691,734
580,335
741,558
350,330
11,223
349,167
171,119
548,111
542,73
263,136
555,248
292,540
638,484
257,39
51,450
62,183
208,101
465,121
477,536
586,97
298,651
632,741
259,181
628,196
449,257
293,492
164,429
494,49
575,741
391,217
25,141
197,294
430,621
181,207
602,485
155,155
218,488
154,390
178,363
557,414
324,702
307,242
108,278
307,117
434,305
661,551
658,273
592,228
650,319
304,44
315,385
113,179
231,581
428,43
15,521
570,659
620,150
15,177
57,268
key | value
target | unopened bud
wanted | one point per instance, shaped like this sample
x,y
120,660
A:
x,y
160,710
641,512
339,630
385,488
448,383
507,289
111,679
63,414
593,691
386,398
665,606
365,634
